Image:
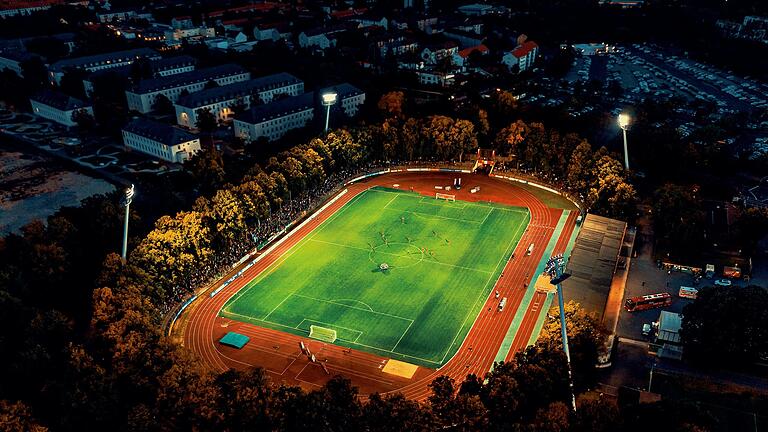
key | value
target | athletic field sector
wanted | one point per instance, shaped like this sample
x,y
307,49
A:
x,y
393,273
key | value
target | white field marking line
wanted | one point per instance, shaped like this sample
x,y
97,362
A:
x,y
431,216
435,202
332,326
356,301
395,352
250,319
275,308
390,201
381,350
506,251
511,209
353,307
486,216
402,336
280,260
404,256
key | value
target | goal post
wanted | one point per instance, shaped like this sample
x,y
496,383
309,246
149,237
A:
x,y
322,333
447,197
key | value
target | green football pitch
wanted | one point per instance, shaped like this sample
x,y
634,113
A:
x,y
443,259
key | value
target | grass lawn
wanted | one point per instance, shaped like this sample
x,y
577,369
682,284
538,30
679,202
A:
x,y
443,259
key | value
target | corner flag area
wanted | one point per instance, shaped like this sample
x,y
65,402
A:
x,y
393,273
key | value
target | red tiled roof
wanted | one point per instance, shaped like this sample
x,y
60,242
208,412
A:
x,y
467,51
19,4
346,13
524,49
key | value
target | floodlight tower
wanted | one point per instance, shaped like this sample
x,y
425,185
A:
x,y
624,121
328,100
127,200
554,269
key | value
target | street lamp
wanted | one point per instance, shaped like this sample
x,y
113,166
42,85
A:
x,y
328,100
127,199
554,269
624,120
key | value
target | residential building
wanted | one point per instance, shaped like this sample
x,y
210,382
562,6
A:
x,y
435,78
349,98
9,8
182,22
482,9
57,107
160,140
12,60
273,120
523,56
143,95
272,31
464,38
321,37
158,68
434,53
111,16
461,58
100,61
220,100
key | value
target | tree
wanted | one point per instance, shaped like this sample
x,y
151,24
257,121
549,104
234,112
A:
x,y
211,84
586,336
35,74
752,226
16,417
580,167
84,119
505,103
228,216
726,326
508,139
395,413
609,193
678,216
206,121
391,104
163,105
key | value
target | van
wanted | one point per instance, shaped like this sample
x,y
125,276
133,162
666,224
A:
x,y
530,250
688,292
502,303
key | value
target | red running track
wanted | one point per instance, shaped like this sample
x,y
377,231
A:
x,y
279,354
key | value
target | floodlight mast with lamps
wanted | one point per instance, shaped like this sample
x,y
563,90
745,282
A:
x,y
328,100
554,269
624,120
127,200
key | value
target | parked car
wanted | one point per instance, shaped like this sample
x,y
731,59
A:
x,y
646,329
723,282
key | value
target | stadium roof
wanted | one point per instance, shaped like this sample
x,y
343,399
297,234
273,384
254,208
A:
x,y
160,132
239,89
278,108
187,78
593,261
59,100
117,56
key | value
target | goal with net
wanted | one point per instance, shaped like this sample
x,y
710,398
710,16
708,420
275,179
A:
x,y
447,197
322,333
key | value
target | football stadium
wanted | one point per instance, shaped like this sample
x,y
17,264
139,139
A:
x,y
396,279
394,273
